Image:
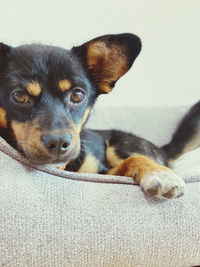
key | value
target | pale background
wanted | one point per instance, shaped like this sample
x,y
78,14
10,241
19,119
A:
x,y
167,70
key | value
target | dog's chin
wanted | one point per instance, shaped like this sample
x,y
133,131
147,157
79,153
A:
x,y
41,159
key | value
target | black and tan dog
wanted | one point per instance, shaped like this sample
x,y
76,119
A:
x,y
46,95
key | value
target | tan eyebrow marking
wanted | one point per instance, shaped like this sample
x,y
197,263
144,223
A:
x,y
64,85
3,121
34,88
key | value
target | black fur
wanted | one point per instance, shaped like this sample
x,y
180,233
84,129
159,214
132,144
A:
x,y
55,113
94,144
47,65
188,129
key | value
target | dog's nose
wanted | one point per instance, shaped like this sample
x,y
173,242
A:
x,y
57,144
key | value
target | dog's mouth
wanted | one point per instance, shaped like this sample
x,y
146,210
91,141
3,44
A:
x,y
41,147
41,156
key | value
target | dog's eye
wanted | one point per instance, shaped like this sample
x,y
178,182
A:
x,y
77,95
20,97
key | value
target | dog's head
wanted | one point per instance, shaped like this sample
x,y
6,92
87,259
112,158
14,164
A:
x,y
46,92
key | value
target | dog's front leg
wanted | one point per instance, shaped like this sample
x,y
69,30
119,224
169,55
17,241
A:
x,y
153,178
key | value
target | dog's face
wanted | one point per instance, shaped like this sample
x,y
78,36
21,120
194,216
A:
x,y
46,93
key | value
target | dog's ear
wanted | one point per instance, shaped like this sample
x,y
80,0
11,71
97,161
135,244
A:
x,y
109,57
5,52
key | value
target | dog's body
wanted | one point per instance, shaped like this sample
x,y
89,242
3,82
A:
x,y
46,95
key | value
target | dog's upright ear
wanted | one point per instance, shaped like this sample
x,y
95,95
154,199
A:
x,y
5,52
108,58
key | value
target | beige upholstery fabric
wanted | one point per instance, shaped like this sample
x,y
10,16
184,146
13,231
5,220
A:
x,y
50,217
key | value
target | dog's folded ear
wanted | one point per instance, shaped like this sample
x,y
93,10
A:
x,y
108,57
5,51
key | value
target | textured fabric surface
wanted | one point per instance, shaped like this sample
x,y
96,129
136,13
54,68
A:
x,y
50,217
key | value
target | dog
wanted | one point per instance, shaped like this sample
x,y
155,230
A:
x,y
46,96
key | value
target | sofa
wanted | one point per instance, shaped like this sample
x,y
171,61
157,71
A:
x,y
49,217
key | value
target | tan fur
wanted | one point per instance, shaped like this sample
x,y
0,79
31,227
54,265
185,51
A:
x,y
112,158
34,88
107,63
194,143
90,165
76,128
64,85
3,120
85,116
28,137
75,131
137,167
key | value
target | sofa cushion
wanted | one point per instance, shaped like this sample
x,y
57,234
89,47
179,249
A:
x,y
49,217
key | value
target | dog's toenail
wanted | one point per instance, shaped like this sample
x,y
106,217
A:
x,y
152,191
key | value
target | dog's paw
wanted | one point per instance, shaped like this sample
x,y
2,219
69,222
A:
x,y
163,184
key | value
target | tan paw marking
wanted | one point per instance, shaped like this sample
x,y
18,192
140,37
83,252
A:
x,y
163,184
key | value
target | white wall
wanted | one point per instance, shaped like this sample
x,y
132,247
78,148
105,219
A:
x,y
167,72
